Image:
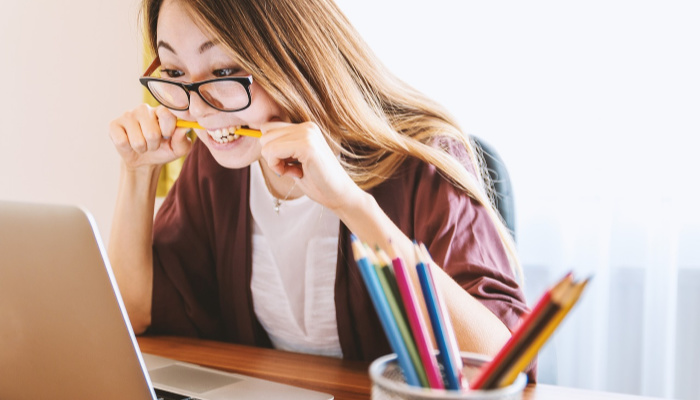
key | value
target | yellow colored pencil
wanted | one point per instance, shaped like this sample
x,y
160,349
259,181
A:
x,y
568,301
181,123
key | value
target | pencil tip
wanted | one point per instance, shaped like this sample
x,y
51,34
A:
x,y
585,282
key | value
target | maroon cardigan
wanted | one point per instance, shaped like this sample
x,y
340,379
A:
x,y
202,255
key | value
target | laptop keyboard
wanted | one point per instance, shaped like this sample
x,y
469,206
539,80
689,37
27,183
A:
x,y
165,395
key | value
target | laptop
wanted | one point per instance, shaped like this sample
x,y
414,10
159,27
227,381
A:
x,y
64,331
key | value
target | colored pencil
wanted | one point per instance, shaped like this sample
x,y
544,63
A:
x,y
489,375
388,282
442,327
381,305
531,335
567,302
417,321
385,266
181,123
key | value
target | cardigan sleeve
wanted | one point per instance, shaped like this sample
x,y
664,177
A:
x,y
463,240
457,230
459,234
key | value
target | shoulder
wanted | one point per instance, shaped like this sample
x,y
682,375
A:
x,y
419,197
414,172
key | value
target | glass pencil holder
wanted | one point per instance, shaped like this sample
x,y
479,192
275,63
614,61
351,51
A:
x,y
388,383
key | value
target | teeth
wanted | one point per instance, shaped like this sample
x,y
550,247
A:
x,y
224,135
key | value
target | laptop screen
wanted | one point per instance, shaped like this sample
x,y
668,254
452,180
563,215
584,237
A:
x,y
64,331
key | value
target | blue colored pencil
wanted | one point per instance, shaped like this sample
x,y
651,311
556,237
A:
x,y
442,327
381,305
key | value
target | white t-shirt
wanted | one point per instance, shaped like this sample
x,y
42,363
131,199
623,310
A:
x,y
294,263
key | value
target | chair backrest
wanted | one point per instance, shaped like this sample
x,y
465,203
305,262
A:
x,y
500,183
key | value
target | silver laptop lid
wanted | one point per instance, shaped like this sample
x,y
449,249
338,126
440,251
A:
x,y
63,332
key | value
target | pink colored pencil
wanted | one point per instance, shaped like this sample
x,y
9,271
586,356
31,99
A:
x,y
418,325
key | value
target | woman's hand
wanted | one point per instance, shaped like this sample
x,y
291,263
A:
x,y
300,151
147,136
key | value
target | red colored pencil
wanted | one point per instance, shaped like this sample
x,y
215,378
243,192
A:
x,y
489,375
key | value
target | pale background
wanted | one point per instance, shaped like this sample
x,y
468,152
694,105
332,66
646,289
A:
x,y
67,69
593,105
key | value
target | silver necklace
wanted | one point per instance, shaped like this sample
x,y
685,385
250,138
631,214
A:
x,y
276,203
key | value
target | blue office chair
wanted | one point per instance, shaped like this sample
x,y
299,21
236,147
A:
x,y
500,183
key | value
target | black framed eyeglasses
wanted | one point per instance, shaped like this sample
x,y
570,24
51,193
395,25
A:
x,y
224,94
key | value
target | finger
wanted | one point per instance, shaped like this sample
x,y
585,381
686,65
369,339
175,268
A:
x,y
277,156
180,143
293,169
276,166
272,128
270,125
288,166
151,130
134,134
117,134
167,121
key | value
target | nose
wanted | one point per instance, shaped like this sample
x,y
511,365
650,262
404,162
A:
x,y
198,107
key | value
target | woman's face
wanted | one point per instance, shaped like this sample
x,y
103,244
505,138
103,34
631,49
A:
x,y
188,55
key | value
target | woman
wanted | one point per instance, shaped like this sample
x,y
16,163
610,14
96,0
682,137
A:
x,y
252,243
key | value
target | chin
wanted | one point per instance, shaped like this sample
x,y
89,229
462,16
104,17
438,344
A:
x,y
235,155
227,162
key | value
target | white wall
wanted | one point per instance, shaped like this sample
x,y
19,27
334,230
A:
x,y
595,107
67,69
557,86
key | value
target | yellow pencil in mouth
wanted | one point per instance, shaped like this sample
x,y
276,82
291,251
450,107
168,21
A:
x,y
181,123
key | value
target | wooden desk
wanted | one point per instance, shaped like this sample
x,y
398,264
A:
x,y
346,380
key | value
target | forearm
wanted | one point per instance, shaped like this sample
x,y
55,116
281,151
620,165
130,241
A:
x,y
363,217
130,243
476,327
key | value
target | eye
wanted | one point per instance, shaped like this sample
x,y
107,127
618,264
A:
x,y
223,72
171,73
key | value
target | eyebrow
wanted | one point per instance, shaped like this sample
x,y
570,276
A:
x,y
166,46
204,47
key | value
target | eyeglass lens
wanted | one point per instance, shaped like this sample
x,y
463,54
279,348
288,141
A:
x,y
225,95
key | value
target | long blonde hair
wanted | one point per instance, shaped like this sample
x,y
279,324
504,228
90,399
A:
x,y
307,56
